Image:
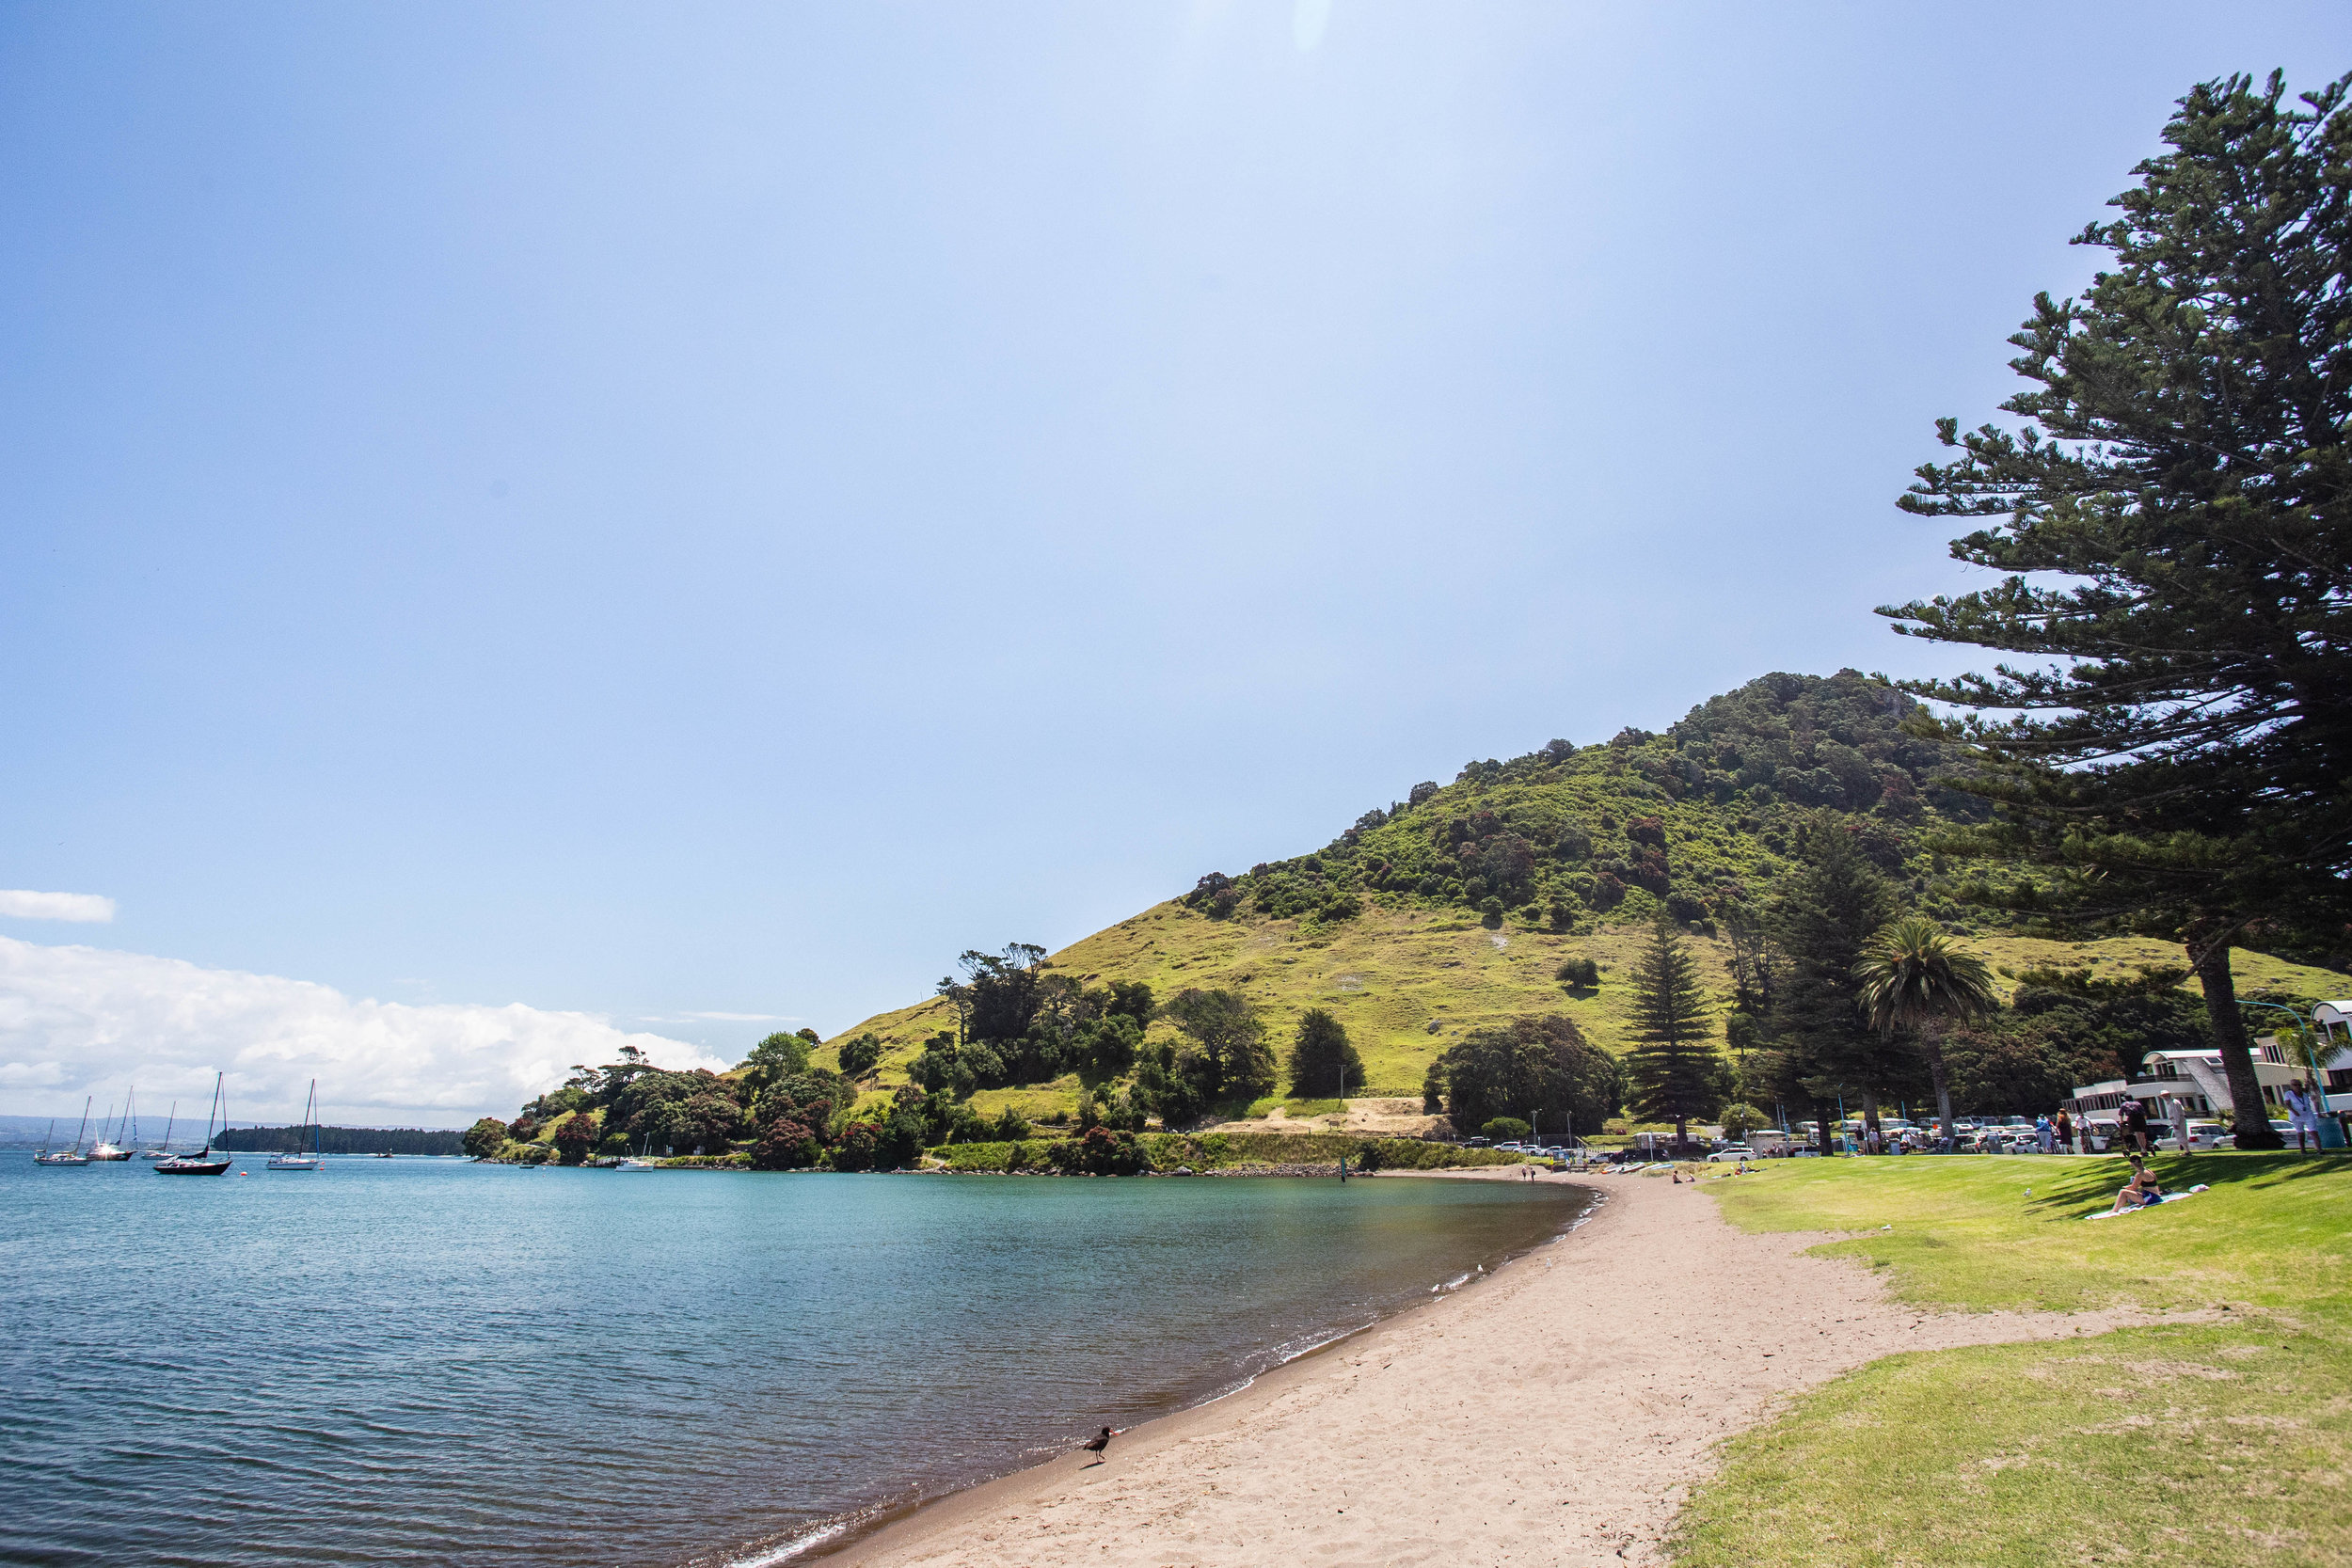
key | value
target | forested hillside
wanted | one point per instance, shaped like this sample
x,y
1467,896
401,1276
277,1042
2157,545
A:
x,y
1462,905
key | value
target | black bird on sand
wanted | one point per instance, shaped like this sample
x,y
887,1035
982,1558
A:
x,y
1096,1444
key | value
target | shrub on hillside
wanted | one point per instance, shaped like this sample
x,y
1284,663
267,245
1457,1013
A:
x,y
859,1055
1504,1129
576,1137
786,1145
1581,972
855,1148
1101,1153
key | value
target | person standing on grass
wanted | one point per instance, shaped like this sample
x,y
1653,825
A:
x,y
2132,1122
2301,1117
2180,1123
2062,1129
2042,1134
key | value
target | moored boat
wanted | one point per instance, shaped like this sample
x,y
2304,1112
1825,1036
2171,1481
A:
x,y
107,1147
204,1162
65,1157
163,1151
299,1161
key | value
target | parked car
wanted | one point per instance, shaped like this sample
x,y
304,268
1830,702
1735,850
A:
x,y
1731,1155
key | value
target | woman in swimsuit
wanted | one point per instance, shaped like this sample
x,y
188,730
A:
x,y
2140,1192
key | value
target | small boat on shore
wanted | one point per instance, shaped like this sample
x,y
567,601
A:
x,y
204,1162
298,1160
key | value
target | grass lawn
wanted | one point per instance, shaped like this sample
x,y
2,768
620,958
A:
x,y
2185,1443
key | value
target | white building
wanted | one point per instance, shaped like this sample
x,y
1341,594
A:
x,y
2194,1080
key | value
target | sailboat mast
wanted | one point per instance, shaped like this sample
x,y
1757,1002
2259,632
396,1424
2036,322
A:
x,y
84,1127
168,1122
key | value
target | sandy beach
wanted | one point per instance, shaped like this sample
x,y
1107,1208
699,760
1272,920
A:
x,y
1557,1412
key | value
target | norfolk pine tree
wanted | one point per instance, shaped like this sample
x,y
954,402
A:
x,y
2176,768
1672,1072
1823,914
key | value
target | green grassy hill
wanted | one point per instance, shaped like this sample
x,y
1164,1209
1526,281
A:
x,y
1456,906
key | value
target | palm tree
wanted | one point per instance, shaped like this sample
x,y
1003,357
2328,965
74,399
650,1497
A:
x,y
1914,977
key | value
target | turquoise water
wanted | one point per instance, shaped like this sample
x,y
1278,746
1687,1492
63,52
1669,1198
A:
x,y
436,1362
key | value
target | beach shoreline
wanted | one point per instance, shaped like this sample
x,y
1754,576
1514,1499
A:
x,y
848,1541
1558,1409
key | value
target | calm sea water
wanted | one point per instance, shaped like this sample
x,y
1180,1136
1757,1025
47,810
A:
x,y
437,1362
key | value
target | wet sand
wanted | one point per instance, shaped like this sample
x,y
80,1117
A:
x,y
1556,1412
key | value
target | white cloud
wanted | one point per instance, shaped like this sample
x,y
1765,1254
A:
x,y
21,904
77,1021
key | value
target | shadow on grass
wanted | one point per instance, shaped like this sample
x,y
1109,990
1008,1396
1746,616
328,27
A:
x,y
2079,1184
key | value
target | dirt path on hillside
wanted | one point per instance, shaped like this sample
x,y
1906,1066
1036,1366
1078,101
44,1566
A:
x,y
1556,1413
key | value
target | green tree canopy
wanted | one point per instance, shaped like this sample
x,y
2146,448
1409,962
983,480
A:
x,y
1322,1061
779,1056
2178,480
1539,1069
1230,1038
1823,914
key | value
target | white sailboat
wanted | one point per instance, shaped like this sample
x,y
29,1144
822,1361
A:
x,y
163,1151
107,1149
638,1161
313,1160
65,1158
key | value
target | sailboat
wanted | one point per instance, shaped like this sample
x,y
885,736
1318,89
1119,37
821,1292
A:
x,y
65,1157
204,1162
299,1161
107,1149
639,1160
163,1151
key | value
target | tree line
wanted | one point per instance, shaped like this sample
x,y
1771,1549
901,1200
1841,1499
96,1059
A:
x,y
341,1140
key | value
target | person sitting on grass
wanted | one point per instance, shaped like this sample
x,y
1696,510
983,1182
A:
x,y
2141,1192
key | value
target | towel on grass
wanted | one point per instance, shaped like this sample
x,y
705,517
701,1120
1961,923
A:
x,y
2167,1197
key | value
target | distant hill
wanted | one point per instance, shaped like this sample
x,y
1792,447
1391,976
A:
x,y
1456,906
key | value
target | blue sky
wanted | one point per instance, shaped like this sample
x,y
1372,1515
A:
x,y
659,511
